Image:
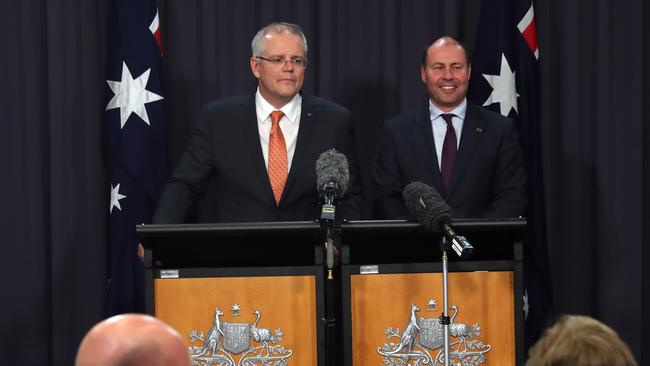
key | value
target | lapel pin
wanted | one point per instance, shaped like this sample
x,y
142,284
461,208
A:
x,y
479,130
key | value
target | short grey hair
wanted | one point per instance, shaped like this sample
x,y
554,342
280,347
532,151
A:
x,y
279,27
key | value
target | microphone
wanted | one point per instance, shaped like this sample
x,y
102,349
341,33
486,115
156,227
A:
x,y
425,204
332,175
332,178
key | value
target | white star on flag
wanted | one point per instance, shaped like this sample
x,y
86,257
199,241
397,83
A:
x,y
116,197
131,95
504,88
155,23
526,305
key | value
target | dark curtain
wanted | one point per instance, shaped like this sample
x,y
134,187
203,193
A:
x,y
54,193
645,203
592,115
364,54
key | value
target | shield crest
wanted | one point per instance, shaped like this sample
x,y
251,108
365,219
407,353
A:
x,y
431,333
236,337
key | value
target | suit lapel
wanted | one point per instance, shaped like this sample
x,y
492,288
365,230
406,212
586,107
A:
x,y
426,149
469,142
251,144
308,120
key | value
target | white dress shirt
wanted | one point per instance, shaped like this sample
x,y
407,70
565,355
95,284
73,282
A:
x,y
289,124
439,125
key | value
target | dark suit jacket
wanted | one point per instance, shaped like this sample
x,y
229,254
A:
x,y
224,150
488,178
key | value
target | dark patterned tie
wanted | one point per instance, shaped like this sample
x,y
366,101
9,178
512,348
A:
x,y
448,151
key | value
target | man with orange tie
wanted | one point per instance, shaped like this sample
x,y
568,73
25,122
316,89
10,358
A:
x,y
469,154
259,150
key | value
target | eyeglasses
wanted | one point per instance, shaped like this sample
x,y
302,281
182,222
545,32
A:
x,y
281,61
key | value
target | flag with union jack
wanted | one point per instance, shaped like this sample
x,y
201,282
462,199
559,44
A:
x,y
505,78
134,136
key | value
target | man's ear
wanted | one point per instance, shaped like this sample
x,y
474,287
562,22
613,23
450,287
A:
x,y
255,67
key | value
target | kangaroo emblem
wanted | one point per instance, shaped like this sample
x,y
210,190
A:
x,y
407,340
214,336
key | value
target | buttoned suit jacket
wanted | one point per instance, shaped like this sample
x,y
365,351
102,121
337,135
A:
x,y
224,151
488,177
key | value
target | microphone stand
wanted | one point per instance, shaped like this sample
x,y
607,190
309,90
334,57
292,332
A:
x,y
331,229
444,319
464,249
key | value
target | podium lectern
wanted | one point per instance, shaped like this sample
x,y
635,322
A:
x,y
249,293
242,293
392,290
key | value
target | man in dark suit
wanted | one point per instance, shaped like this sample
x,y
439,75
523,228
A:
x,y
259,150
470,155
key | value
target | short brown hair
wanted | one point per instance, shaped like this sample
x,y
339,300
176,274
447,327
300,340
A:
x,y
577,340
447,40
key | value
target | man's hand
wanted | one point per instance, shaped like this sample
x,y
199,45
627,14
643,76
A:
x,y
141,252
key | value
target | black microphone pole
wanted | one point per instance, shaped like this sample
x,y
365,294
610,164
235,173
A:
x,y
332,178
331,229
330,226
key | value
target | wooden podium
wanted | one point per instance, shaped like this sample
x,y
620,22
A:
x,y
250,293
392,291
239,293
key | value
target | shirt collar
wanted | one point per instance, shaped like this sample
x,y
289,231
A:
x,y
459,111
291,110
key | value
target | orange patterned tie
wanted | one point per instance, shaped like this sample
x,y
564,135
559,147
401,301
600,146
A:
x,y
277,156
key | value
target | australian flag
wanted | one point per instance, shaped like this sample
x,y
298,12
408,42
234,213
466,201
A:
x,y
134,136
505,78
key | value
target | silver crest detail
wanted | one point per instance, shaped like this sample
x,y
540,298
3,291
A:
x,y
238,344
235,337
422,335
431,333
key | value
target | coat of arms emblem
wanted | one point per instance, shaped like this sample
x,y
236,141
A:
x,y
422,335
237,344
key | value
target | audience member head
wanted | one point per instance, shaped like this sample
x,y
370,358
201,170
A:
x,y
279,61
132,340
577,340
445,71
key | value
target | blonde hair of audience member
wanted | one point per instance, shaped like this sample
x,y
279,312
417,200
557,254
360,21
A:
x,y
577,340
132,340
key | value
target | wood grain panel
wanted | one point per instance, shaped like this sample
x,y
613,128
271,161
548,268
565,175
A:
x,y
383,300
285,302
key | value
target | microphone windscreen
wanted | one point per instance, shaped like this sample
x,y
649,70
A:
x,y
332,167
425,204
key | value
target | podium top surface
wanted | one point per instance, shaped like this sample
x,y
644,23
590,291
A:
x,y
298,228
296,242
